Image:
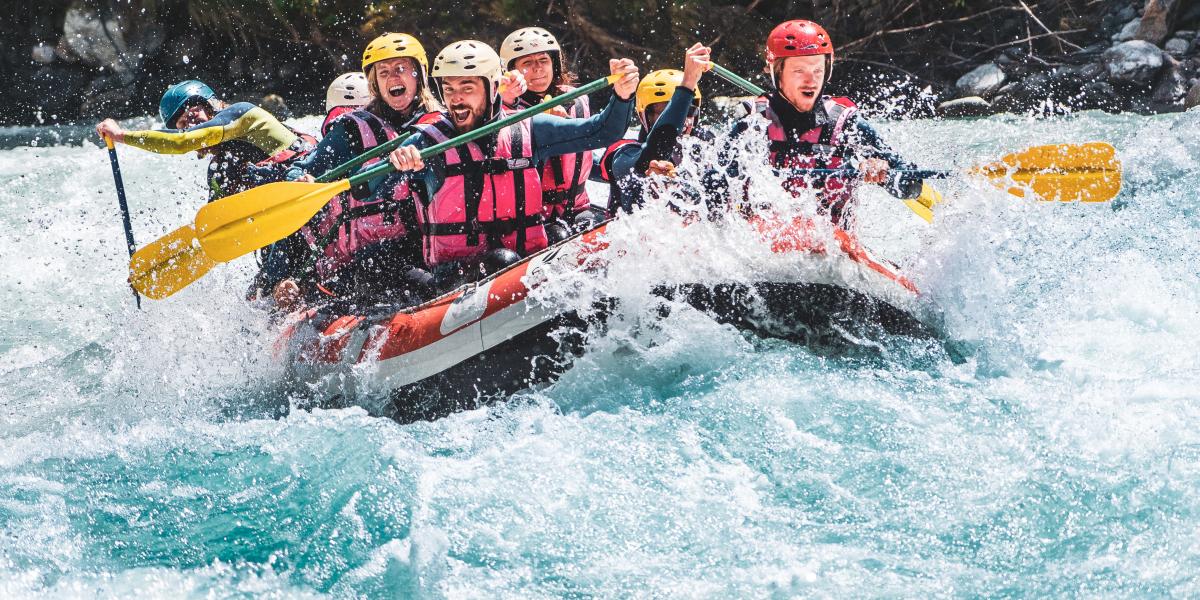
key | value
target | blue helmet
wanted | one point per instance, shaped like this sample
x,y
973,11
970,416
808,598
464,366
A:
x,y
177,97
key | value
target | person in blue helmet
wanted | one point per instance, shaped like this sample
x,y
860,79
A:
x,y
236,136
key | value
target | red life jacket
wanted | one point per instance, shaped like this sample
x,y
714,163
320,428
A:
x,y
564,178
606,174
357,219
486,201
333,114
823,147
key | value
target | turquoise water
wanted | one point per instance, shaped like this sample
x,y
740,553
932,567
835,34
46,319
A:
x,y
153,453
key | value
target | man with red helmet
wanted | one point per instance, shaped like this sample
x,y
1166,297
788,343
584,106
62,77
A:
x,y
808,130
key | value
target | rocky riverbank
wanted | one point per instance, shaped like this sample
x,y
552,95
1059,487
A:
x,y
1147,60
80,60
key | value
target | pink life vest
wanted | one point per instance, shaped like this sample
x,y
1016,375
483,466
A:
x,y
486,201
823,147
357,219
564,178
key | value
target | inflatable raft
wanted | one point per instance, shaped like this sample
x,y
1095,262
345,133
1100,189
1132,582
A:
x,y
493,337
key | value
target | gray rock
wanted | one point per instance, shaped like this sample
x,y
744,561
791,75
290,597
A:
x,y
971,106
1127,14
983,81
1135,62
1171,85
1127,31
1192,100
1185,34
1176,46
118,44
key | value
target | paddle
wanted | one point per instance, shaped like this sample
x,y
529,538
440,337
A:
x,y
236,225
129,243
1056,172
169,264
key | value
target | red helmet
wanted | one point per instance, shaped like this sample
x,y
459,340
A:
x,y
798,38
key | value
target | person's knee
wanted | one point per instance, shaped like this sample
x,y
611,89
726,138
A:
x,y
557,231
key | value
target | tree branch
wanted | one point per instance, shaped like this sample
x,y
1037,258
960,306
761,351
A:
x,y
863,40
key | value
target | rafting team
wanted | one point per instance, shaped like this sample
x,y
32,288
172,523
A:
x,y
460,215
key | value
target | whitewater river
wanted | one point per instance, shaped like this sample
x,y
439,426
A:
x,y
153,454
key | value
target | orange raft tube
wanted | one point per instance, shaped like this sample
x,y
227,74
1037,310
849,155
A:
x,y
490,338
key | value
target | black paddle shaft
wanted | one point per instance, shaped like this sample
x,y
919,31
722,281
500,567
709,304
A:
x,y
132,246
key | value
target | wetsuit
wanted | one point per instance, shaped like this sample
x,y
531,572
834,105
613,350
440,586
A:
x,y
239,137
625,162
564,177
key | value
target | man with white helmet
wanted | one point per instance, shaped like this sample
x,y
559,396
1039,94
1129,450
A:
x,y
537,55
483,200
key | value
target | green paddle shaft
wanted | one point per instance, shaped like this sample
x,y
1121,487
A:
x,y
489,129
737,80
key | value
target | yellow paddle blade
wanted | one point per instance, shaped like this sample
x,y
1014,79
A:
x,y
923,205
169,264
1064,172
242,223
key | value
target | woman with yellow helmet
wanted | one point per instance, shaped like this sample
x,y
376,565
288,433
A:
x,y
364,238
667,102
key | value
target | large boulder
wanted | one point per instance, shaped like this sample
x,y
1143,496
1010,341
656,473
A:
x,y
983,81
115,43
1135,62
1158,20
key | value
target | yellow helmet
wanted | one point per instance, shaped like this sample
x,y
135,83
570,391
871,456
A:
x,y
659,86
395,45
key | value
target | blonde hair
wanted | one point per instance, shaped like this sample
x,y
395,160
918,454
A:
x,y
424,98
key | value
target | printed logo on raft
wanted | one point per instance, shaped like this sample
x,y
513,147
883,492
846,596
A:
x,y
466,309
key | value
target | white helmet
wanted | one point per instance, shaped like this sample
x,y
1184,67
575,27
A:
x,y
530,40
469,58
349,89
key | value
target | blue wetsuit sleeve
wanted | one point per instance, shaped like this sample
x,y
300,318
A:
x,y
868,144
624,159
333,150
555,136
430,178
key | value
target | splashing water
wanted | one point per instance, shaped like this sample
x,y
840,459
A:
x,y
142,454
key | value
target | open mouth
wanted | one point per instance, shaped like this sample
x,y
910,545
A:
x,y
460,114
808,93
397,91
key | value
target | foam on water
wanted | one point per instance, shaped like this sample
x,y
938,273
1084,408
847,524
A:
x,y
678,457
